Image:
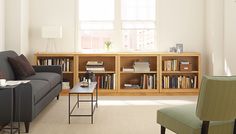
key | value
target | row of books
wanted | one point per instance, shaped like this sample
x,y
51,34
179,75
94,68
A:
x,y
170,65
66,63
106,81
179,82
147,81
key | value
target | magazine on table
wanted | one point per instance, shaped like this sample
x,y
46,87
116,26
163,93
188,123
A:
x,y
16,82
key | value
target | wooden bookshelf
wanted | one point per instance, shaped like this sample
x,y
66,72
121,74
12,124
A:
x,y
107,79
173,79
114,63
139,79
67,61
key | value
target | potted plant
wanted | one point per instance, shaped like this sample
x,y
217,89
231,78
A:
x,y
108,44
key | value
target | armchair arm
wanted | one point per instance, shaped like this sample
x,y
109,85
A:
x,y
53,68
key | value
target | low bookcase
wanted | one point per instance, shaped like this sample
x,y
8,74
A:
x,y
168,73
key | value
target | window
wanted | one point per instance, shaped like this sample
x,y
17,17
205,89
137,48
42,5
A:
x,y
138,24
137,20
96,22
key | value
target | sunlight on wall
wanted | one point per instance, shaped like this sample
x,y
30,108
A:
x,y
143,102
227,69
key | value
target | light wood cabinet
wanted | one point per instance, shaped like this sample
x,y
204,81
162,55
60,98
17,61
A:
x,y
170,73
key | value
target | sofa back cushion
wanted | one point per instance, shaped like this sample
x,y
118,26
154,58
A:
x,y
5,66
21,67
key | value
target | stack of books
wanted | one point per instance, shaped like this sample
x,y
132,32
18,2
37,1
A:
x,y
95,66
141,66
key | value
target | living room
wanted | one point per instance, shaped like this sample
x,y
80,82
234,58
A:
x,y
118,34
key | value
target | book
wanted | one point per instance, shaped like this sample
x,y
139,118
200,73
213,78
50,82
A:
x,y
128,69
95,63
65,85
185,62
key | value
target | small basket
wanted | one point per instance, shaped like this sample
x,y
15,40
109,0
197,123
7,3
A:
x,y
185,67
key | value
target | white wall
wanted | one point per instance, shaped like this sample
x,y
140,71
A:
x,y
16,26
24,28
52,12
2,25
181,21
12,23
230,36
215,36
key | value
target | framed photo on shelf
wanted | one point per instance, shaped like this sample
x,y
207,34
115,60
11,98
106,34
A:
x,y
179,48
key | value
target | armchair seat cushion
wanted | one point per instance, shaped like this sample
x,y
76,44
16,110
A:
x,y
182,120
40,88
52,78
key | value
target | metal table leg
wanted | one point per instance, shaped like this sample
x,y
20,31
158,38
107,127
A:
x,y
69,108
78,100
96,96
11,121
92,108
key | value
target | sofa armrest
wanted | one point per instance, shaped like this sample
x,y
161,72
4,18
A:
x,y
53,68
24,94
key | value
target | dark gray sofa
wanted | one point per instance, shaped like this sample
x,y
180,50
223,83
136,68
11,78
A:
x,y
43,87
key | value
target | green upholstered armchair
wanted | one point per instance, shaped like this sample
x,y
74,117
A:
x,y
214,113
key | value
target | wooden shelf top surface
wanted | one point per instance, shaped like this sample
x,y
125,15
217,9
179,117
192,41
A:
x,y
151,72
117,54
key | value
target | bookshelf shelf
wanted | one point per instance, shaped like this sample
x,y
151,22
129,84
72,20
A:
x,y
180,90
70,72
179,72
164,70
106,72
138,90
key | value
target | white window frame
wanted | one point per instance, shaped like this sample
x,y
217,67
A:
x,y
117,36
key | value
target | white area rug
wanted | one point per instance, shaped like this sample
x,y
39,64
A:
x,y
115,115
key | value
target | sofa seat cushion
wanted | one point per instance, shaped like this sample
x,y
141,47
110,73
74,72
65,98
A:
x,y
40,88
52,78
182,120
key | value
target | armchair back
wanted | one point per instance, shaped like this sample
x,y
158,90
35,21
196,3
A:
x,y
217,98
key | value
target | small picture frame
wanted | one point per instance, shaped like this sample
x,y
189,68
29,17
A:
x,y
173,49
179,48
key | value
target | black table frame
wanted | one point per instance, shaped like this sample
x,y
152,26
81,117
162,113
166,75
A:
x,y
12,88
93,107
